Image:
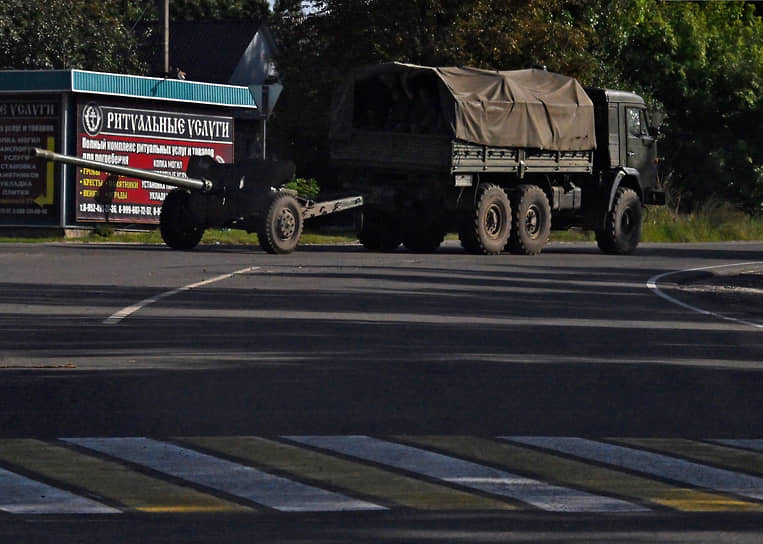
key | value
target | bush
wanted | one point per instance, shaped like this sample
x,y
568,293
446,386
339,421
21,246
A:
x,y
306,188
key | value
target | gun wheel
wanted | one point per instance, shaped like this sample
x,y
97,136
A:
x,y
281,227
175,223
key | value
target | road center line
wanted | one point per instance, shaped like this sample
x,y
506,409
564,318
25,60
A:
x,y
115,318
652,284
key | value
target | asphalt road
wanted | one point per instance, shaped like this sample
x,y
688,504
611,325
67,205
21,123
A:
x,y
108,341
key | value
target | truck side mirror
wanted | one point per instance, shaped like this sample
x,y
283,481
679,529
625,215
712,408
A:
x,y
655,123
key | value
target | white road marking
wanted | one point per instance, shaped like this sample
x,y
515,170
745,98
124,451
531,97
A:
x,y
656,464
440,319
116,317
468,474
652,284
20,495
232,478
746,443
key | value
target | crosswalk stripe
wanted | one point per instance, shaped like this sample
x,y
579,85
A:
x,y
21,495
357,477
334,473
656,464
746,461
747,443
583,475
231,478
468,474
108,479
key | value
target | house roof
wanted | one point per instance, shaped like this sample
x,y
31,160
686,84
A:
x,y
210,50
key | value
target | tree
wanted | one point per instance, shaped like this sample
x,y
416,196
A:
x,y
67,34
201,10
704,63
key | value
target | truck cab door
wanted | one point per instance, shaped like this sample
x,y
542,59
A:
x,y
640,146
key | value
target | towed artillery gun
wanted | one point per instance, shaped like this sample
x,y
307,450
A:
x,y
248,195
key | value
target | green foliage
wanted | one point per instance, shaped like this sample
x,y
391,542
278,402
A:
x,y
703,62
110,36
61,34
306,188
202,10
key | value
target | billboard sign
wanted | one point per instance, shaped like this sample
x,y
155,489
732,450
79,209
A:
x,y
162,141
27,186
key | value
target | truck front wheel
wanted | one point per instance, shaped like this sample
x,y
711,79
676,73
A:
x,y
488,231
281,225
532,220
622,228
176,224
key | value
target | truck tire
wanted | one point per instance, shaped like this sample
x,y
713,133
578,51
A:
x,y
422,230
424,240
531,224
622,228
175,224
281,225
376,230
490,224
467,235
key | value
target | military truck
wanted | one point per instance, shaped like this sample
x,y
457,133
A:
x,y
501,157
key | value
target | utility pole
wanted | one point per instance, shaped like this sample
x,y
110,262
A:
x,y
165,11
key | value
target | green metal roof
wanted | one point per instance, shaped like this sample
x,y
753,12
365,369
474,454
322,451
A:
x,y
81,81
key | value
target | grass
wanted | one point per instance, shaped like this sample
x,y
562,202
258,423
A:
x,y
211,236
713,222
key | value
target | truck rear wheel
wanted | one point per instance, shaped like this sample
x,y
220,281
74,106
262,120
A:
x,y
531,220
424,240
622,228
422,230
490,224
376,230
467,235
281,225
175,223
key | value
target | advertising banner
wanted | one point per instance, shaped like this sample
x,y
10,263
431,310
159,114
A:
x,y
27,186
161,141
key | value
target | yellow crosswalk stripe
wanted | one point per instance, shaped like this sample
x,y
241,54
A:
x,y
726,457
583,475
109,479
348,475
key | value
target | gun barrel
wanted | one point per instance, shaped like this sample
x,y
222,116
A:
x,y
188,183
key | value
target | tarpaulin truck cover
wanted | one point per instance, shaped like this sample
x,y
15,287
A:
x,y
518,108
